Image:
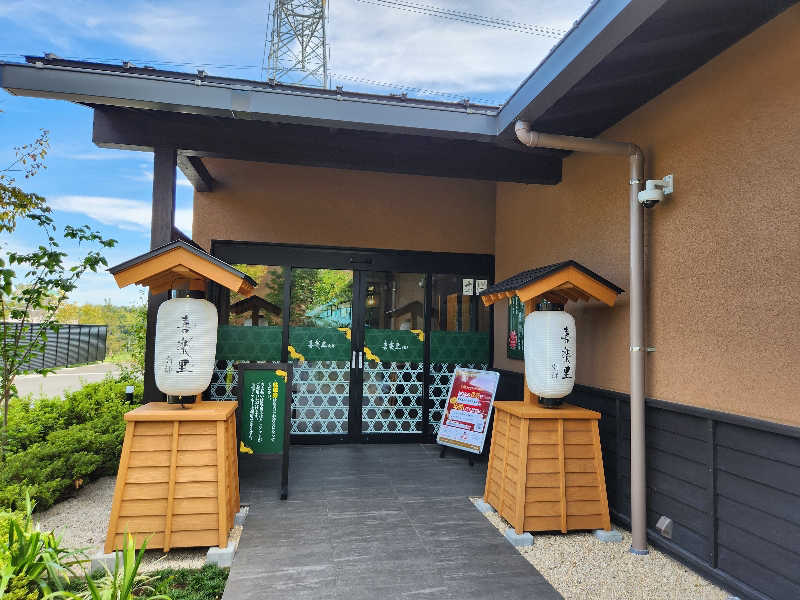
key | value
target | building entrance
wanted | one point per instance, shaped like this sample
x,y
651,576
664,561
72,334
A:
x,y
374,335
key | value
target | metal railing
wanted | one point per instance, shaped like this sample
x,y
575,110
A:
x,y
66,346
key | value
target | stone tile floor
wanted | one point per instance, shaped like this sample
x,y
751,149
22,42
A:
x,y
373,522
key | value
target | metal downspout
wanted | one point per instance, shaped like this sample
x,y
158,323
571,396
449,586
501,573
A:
x,y
637,346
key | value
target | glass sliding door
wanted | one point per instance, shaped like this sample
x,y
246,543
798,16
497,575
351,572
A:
x,y
459,337
320,334
393,372
252,328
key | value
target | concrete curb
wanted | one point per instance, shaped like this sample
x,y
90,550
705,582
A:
x,y
483,507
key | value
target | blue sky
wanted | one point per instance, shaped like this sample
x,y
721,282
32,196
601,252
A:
x,y
110,190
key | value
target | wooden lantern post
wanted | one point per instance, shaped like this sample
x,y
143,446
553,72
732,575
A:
x,y
545,464
178,479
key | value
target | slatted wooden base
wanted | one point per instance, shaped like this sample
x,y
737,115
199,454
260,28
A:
x,y
178,480
546,468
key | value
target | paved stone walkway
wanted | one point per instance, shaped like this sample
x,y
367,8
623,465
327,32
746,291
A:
x,y
374,522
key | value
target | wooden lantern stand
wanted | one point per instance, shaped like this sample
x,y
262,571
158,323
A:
x,y
545,464
178,479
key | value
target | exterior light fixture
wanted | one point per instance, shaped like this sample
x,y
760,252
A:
x,y
372,300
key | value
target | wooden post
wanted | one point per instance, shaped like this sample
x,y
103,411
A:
x,y
529,397
222,481
161,227
119,488
173,468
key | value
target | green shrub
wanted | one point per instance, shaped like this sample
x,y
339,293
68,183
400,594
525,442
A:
x,y
22,587
28,425
51,468
63,443
207,583
31,557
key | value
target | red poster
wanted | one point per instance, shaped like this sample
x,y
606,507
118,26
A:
x,y
469,405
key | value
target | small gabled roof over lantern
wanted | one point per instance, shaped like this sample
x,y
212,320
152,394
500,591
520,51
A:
x,y
558,283
181,265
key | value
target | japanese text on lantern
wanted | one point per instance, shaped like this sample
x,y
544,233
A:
x,y
566,354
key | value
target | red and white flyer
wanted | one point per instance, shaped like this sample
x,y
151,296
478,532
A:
x,y
465,421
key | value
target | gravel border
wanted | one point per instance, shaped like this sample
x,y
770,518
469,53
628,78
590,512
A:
x,y
82,521
582,567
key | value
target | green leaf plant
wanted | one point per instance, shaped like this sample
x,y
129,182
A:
x,y
124,583
35,557
34,284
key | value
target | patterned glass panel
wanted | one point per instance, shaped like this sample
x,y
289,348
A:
x,y
392,399
441,380
320,397
224,381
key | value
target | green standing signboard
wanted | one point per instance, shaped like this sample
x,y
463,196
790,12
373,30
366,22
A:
x,y
264,401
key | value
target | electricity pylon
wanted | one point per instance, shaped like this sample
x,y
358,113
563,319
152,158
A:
x,y
298,48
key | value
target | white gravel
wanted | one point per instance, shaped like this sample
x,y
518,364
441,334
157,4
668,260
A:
x,y
581,567
82,522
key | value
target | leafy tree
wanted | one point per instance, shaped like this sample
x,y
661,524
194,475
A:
x,y
34,284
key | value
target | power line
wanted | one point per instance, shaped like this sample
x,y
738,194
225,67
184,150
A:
x,y
468,17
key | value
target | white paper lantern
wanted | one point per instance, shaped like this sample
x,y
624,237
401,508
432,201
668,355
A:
x,y
186,343
550,353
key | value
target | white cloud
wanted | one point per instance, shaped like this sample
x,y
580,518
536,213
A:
x,y
118,212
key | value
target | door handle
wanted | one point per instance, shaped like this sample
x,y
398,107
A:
x,y
360,360
353,360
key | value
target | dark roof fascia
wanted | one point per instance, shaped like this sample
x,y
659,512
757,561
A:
x,y
520,280
153,89
604,25
193,248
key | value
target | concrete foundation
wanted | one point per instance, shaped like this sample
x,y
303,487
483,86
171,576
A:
x,y
222,557
101,562
608,536
518,539
483,507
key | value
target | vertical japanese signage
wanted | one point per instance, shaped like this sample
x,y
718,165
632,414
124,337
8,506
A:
x,y
465,421
265,396
516,328
263,408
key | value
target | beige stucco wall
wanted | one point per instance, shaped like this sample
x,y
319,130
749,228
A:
x,y
309,205
723,254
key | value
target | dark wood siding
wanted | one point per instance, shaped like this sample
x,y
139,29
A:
x,y
730,484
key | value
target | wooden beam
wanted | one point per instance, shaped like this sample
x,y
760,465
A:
x,y
163,213
196,172
285,143
161,227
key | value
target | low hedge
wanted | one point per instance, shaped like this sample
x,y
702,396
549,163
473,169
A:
x,y
60,444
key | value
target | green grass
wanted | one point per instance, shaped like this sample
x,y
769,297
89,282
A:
x,y
188,584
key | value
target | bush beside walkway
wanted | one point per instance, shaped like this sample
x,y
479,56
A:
x,y
55,446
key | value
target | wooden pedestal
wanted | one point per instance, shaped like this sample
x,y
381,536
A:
x,y
546,468
178,479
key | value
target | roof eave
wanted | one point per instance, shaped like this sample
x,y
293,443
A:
x,y
244,102
602,28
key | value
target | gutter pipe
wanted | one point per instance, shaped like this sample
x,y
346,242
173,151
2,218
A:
x,y
635,156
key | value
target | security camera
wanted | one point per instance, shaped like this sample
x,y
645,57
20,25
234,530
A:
x,y
655,191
